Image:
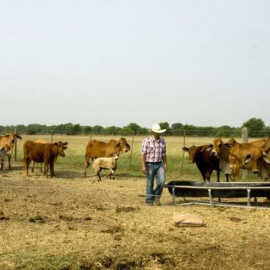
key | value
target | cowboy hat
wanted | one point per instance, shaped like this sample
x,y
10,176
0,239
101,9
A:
x,y
156,128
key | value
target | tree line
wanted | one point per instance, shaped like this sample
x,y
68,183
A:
x,y
256,128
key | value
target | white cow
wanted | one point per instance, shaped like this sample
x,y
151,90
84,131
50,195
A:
x,y
109,163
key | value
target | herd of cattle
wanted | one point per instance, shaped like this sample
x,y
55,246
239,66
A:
x,y
229,157
104,155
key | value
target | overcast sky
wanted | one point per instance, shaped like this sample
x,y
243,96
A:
x,y
116,62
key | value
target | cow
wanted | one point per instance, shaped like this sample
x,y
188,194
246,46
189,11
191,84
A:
x,y
234,156
9,139
47,153
204,161
109,163
34,163
4,151
258,143
264,173
96,149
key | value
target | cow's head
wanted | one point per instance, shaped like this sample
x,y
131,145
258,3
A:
x,y
11,136
193,152
231,142
216,147
255,158
61,147
266,146
121,147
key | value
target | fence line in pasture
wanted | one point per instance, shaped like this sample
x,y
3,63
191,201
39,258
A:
x,y
183,140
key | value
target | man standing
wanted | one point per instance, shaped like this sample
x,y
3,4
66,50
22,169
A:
x,y
154,164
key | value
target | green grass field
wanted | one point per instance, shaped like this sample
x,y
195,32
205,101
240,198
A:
x,y
129,163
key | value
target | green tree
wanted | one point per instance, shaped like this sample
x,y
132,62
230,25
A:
x,y
255,127
112,130
176,128
97,129
223,131
165,125
86,130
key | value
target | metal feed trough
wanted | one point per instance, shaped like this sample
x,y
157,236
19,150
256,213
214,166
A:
x,y
194,189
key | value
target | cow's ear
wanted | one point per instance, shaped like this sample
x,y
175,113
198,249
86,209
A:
x,y
266,149
185,149
210,147
65,143
265,158
247,159
128,146
117,148
18,136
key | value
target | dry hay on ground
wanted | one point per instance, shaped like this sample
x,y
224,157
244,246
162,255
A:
x,y
80,223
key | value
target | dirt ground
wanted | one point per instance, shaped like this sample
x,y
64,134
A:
x,y
72,222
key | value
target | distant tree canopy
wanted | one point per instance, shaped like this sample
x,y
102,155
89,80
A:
x,y
256,128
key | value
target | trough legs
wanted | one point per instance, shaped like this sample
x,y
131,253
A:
x,y
210,196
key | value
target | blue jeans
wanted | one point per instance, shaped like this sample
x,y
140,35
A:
x,y
154,171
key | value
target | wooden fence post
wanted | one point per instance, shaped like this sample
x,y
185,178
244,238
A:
x,y
131,151
244,140
15,146
184,144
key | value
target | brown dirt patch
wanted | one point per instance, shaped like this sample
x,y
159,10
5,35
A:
x,y
80,223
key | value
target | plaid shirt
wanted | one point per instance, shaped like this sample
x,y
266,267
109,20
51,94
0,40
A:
x,y
154,150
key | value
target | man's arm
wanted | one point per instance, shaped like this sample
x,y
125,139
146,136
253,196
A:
x,y
143,163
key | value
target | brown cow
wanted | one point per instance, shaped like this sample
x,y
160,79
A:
x,y
235,156
34,163
47,153
204,161
259,143
9,140
96,149
265,166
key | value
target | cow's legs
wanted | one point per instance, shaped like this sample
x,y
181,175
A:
x,y
46,169
26,164
98,174
33,167
9,161
86,163
51,170
218,175
112,174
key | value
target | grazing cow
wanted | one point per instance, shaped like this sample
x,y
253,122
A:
x,y
204,161
96,149
234,156
9,140
109,163
47,153
4,151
